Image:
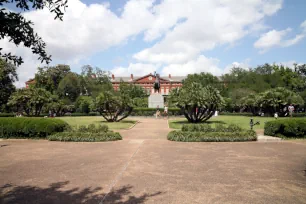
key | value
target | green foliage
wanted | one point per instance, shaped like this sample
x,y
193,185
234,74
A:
x,y
272,100
197,103
84,104
69,87
8,75
293,127
3,115
91,133
93,128
115,106
30,100
85,136
209,128
18,30
241,136
94,80
49,77
30,127
152,111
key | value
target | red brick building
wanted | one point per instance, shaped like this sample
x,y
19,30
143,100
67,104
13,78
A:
x,y
166,82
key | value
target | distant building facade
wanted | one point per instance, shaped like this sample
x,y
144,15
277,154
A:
x,y
167,83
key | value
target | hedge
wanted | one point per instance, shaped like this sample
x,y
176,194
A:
x,y
85,136
152,111
183,136
30,127
236,114
208,128
7,115
291,128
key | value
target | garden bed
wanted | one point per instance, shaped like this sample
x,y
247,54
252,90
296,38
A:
x,y
90,133
207,133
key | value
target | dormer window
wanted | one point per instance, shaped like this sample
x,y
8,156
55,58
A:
x,y
150,78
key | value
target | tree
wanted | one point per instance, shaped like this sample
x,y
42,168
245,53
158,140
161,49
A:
x,y
114,106
30,100
278,100
50,77
84,104
59,106
272,100
8,76
69,87
198,103
94,80
19,30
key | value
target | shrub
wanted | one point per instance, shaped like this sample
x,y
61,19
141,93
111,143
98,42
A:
x,y
30,127
152,111
207,128
184,136
7,115
293,127
85,136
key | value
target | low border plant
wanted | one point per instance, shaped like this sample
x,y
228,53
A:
x,y
207,133
286,128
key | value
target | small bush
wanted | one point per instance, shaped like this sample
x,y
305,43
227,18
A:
x,y
291,128
7,115
183,136
152,111
85,136
207,128
30,127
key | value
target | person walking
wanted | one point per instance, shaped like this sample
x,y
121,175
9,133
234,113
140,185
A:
x,y
291,110
166,111
157,114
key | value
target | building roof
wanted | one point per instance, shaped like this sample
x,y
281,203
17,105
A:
x,y
136,78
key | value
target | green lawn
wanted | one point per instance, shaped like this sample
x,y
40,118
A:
x,y
77,121
242,121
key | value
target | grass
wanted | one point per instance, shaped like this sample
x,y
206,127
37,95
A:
x,y
77,121
242,121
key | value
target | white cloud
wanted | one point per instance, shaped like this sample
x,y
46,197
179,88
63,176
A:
x,y
206,25
244,65
183,29
138,69
201,64
275,38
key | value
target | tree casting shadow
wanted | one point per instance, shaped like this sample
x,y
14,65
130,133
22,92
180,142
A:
x,y
54,194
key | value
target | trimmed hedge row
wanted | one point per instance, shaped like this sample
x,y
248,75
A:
x,y
235,114
183,136
152,111
85,136
30,127
7,115
291,128
208,128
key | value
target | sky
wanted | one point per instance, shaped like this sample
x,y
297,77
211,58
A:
x,y
176,37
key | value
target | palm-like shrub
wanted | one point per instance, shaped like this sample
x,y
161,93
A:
x,y
197,103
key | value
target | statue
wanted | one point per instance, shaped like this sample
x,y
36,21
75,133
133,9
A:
x,y
156,83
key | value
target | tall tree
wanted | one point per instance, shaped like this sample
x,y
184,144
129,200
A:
x,y
20,31
69,87
30,100
50,77
8,76
197,103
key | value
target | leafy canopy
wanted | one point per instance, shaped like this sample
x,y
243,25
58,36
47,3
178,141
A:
x,y
18,30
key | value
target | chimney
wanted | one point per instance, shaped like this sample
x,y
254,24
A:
x,y
113,76
132,77
169,76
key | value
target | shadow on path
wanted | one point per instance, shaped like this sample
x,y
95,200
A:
x,y
55,194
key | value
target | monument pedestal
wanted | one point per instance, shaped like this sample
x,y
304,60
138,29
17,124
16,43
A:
x,y
156,100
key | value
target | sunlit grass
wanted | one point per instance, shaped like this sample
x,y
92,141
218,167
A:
x,y
242,121
77,121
